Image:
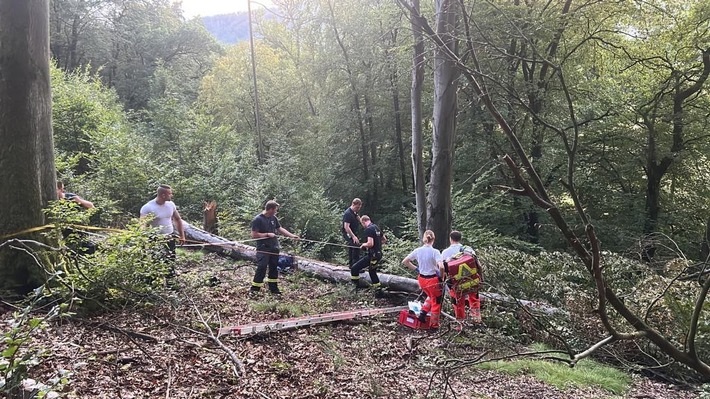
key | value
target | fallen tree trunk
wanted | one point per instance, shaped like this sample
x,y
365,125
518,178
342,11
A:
x,y
323,270
335,273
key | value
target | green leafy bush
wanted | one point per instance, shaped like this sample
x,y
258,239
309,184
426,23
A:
x,y
19,356
127,265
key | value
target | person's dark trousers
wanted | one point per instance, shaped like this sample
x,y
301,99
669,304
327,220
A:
x,y
170,250
353,253
78,242
170,255
164,252
267,261
370,262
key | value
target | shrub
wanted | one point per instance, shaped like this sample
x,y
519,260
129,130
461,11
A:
x,y
127,264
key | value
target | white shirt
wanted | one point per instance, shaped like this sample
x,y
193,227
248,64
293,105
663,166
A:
x,y
427,258
163,215
451,251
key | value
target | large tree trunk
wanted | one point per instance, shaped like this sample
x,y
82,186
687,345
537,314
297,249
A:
x,y
705,246
446,75
394,87
656,168
26,147
316,268
417,137
341,274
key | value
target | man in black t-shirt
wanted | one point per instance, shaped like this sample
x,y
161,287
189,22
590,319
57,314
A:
x,y
264,227
375,239
350,227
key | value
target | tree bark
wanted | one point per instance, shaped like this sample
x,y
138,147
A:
x,y
538,86
394,87
320,269
705,246
26,144
446,74
417,137
656,169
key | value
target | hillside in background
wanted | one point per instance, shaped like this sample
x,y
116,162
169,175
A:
x,y
228,28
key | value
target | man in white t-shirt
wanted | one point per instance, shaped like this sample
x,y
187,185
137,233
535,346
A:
x,y
455,245
165,213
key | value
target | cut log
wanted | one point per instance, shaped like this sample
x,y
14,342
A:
x,y
336,273
323,270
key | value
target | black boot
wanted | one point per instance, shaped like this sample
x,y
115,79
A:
x,y
422,316
378,290
274,288
254,291
359,284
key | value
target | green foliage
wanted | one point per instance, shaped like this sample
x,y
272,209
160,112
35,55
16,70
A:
x,y
136,41
83,111
304,209
548,276
487,218
19,356
668,304
281,309
128,266
97,153
559,279
586,373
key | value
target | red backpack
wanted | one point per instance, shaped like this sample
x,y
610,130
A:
x,y
464,272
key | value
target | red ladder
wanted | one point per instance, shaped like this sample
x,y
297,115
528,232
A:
x,y
296,322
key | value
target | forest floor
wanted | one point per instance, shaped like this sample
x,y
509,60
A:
x,y
163,351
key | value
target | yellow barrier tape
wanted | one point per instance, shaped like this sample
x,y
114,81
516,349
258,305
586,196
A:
x,y
94,228
27,231
51,226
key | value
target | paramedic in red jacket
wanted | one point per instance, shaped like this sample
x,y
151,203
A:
x,y
459,297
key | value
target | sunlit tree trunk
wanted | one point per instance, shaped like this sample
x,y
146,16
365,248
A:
x,y
26,148
398,128
657,166
446,74
417,138
705,246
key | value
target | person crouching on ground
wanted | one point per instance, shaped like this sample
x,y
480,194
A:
x,y
373,245
264,228
429,264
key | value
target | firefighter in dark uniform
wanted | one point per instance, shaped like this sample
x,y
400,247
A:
x,y
375,239
350,227
264,227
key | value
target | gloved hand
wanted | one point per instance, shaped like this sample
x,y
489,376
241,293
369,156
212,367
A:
x,y
453,300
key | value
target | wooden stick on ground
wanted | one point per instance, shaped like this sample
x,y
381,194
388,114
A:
x,y
237,366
